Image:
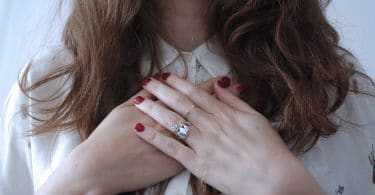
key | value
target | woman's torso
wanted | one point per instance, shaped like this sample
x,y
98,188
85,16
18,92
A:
x,y
340,163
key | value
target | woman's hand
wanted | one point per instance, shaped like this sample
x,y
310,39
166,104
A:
x,y
231,146
113,159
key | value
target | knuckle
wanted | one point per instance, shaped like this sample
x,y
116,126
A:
x,y
171,147
199,96
152,136
173,119
179,99
152,107
195,92
193,89
159,103
155,87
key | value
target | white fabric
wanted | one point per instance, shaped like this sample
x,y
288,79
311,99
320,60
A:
x,y
26,162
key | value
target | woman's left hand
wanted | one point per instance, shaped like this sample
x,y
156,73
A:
x,y
230,146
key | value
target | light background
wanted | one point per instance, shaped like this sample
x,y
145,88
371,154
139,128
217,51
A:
x,y
25,26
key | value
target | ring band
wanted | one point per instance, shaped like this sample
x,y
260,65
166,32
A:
x,y
189,111
182,129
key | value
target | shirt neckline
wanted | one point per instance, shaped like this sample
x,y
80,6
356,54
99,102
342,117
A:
x,y
209,54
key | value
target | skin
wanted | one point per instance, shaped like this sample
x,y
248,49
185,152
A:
x,y
231,146
114,159
185,23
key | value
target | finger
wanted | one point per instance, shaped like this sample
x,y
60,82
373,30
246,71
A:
x,y
165,117
235,90
170,146
208,85
198,96
157,125
143,93
233,101
175,100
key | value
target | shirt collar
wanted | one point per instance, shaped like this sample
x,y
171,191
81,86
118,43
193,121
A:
x,y
209,54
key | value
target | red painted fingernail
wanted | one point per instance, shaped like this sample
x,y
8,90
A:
x,y
138,100
146,80
242,89
165,75
158,76
139,127
224,82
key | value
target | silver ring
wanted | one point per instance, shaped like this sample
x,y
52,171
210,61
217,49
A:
x,y
182,129
189,111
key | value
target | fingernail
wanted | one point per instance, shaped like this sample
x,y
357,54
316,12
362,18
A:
x,y
242,89
146,80
224,82
165,75
138,100
139,127
158,76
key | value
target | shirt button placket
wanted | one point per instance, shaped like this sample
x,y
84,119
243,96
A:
x,y
190,62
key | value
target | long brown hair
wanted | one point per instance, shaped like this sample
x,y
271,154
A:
x,y
284,50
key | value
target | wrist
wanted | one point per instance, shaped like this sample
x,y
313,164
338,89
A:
x,y
288,177
73,177
295,179
83,168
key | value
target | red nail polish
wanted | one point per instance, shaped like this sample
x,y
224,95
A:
x,y
139,127
146,80
165,75
138,100
242,89
224,82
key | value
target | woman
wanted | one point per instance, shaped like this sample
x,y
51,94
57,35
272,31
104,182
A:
x,y
251,97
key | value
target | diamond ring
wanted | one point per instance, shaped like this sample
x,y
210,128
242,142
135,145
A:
x,y
182,129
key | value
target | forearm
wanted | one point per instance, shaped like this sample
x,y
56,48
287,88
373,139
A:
x,y
71,178
290,178
303,184
296,180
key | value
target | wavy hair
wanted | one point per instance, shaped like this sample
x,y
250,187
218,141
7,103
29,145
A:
x,y
284,50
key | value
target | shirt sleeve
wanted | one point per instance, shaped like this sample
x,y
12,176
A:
x,y
344,163
15,157
27,161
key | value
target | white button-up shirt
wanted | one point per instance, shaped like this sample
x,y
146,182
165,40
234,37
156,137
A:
x,y
341,163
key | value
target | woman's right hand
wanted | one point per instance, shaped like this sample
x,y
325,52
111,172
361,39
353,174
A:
x,y
113,159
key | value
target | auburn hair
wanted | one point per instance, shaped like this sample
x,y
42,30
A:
x,y
284,50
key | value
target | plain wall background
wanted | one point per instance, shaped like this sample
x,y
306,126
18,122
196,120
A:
x,y
25,26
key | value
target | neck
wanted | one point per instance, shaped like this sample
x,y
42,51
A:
x,y
185,23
